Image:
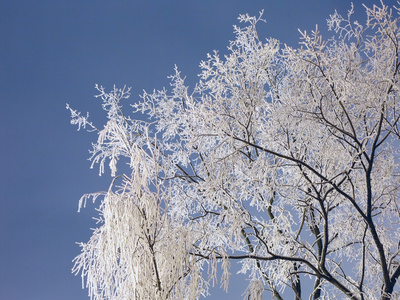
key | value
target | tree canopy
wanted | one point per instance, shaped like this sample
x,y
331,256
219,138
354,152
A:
x,y
284,159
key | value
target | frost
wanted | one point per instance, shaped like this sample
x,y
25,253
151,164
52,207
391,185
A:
x,y
284,159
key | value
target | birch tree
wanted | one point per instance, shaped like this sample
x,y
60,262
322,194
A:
x,y
285,160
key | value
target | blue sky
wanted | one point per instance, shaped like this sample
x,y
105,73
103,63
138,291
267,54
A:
x,y
54,52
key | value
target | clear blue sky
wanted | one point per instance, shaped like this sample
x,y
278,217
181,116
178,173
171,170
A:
x,y
53,52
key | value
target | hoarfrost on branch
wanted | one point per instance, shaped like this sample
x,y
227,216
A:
x,y
284,159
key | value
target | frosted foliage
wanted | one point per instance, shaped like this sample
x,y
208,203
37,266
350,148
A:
x,y
283,159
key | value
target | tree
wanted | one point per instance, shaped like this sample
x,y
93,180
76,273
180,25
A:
x,y
285,159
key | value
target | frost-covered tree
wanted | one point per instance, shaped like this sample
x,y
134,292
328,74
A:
x,y
283,159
